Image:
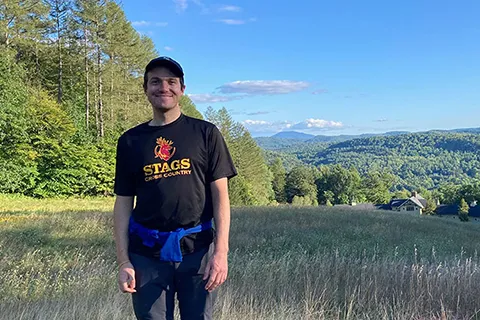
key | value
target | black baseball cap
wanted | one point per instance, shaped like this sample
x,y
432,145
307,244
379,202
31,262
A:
x,y
166,62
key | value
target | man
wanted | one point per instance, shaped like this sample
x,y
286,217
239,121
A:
x,y
177,168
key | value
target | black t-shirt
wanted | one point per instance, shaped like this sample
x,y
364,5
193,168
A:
x,y
169,170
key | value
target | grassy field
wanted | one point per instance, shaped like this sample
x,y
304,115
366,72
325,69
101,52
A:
x,y
57,262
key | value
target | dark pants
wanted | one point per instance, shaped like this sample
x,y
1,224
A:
x,y
158,281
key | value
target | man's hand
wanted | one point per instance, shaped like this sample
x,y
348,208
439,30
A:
x,y
217,270
126,278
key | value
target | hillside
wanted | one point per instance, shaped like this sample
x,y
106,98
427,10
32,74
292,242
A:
x,y
332,253
417,159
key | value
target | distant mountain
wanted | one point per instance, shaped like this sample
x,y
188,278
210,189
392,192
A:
x,y
274,143
294,139
461,130
293,135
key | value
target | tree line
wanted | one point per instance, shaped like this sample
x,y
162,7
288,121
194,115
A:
x,y
335,184
425,160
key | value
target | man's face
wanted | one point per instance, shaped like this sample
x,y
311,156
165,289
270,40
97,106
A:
x,y
163,89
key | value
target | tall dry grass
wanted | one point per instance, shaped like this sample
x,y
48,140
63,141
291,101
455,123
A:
x,y
285,263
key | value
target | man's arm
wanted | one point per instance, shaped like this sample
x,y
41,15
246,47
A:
x,y
217,267
121,216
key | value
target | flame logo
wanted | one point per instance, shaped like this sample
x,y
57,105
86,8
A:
x,y
164,149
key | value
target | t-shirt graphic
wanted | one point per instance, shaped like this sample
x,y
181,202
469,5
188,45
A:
x,y
165,150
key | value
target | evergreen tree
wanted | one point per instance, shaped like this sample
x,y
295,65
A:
x,y
278,182
431,206
188,107
463,210
256,182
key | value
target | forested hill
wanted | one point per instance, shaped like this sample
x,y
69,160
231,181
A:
x,y
417,159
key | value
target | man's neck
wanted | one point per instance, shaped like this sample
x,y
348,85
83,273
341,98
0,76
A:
x,y
163,118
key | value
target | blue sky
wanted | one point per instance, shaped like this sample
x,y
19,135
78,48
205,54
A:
x,y
324,67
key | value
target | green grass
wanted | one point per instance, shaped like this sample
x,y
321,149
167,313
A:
x,y
57,262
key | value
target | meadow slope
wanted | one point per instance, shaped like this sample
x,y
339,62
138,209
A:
x,y
57,262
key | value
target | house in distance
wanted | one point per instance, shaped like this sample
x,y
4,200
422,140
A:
x,y
415,204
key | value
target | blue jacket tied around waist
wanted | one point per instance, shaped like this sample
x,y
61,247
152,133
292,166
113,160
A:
x,y
170,241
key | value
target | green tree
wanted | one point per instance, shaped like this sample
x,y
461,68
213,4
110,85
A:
x,y
463,210
343,183
278,183
17,166
188,107
239,192
328,195
449,193
300,181
377,187
431,206
59,16
247,157
401,194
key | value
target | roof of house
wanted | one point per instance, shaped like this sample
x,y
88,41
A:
x,y
423,201
399,202
474,211
384,206
417,202
445,209
452,209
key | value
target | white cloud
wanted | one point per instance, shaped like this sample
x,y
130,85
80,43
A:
x,y
254,87
256,122
317,124
232,21
167,48
230,8
242,89
236,21
181,5
266,126
144,23
309,125
211,98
